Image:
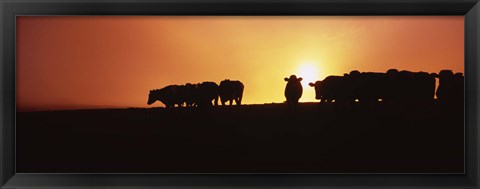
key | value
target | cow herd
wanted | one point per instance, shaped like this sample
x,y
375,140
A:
x,y
205,94
392,87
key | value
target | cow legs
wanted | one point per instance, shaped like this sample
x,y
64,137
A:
x,y
292,103
289,103
216,101
238,101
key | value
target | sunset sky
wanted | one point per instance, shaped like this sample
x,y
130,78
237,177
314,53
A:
x,y
76,62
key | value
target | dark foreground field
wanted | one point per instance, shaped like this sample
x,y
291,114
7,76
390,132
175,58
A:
x,y
250,139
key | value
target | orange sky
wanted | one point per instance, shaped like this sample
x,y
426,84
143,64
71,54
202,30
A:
x,y
79,62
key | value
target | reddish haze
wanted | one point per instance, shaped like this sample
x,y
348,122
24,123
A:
x,y
113,61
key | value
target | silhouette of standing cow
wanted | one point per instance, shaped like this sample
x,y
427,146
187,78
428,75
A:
x,y
333,88
293,90
206,93
190,96
451,88
230,91
169,95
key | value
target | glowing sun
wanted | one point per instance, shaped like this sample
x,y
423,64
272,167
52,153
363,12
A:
x,y
308,71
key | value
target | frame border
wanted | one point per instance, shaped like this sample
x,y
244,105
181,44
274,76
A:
x,y
9,9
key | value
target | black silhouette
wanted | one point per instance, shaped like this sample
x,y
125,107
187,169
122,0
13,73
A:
x,y
393,87
451,88
368,87
293,90
198,95
182,95
230,90
410,88
169,95
191,97
371,137
206,93
251,138
336,89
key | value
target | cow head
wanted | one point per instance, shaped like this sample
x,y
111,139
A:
x,y
293,78
354,73
152,97
445,73
225,82
392,73
317,86
445,76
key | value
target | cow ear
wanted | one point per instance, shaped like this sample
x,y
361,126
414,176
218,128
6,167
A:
x,y
311,84
300,79
286,79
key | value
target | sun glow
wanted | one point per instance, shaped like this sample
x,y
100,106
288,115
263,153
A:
x,y
308,71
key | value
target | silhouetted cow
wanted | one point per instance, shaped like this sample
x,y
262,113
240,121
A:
x,y
451,88
409,88
168,95
333,88
206,93
367,87
182,94
293,90
231,90
190,97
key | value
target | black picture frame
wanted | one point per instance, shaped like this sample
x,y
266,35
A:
x,y
9,9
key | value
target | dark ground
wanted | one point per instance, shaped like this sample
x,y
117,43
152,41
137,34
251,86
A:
x,y
248,139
